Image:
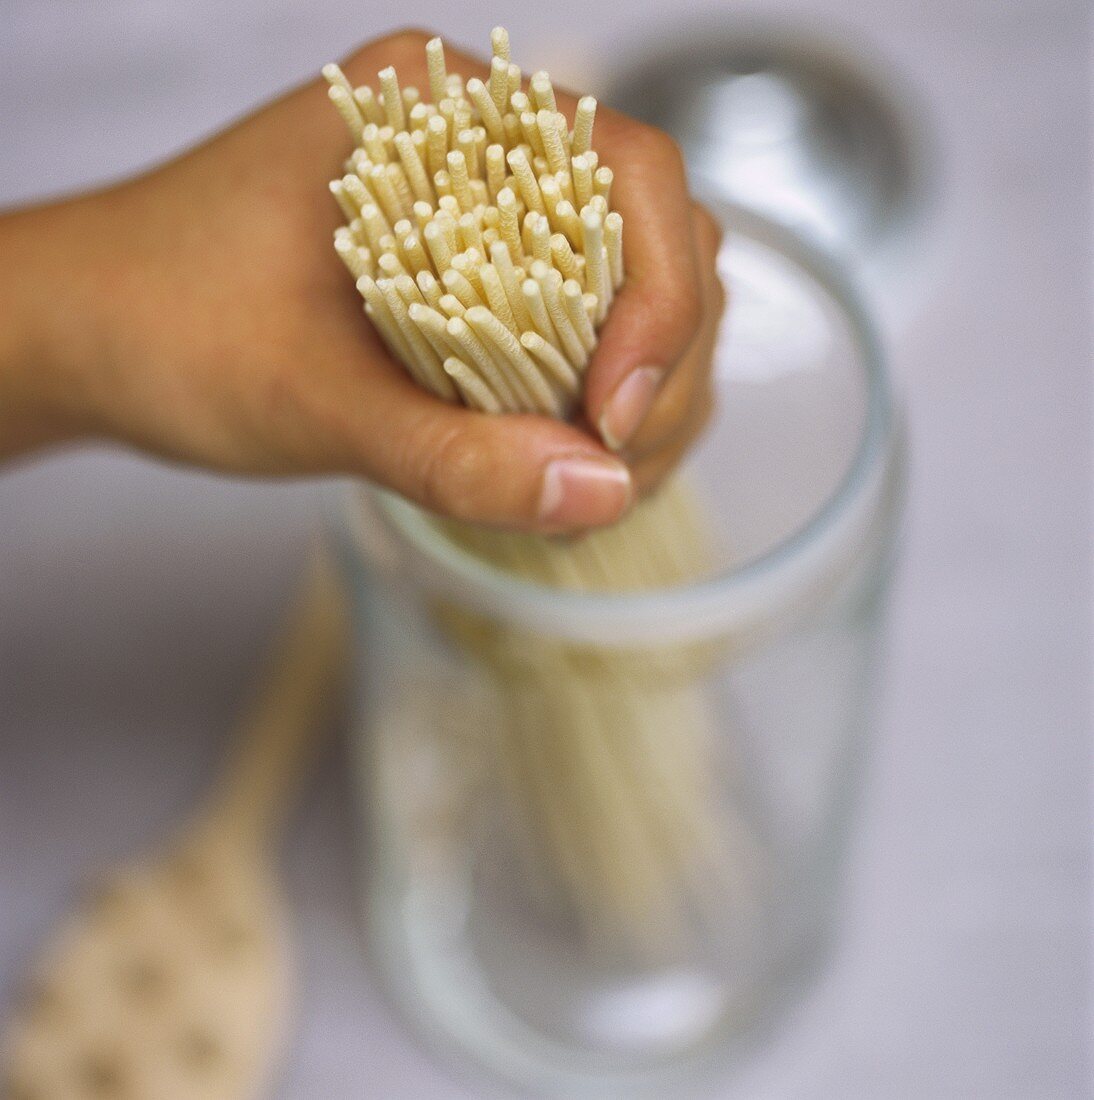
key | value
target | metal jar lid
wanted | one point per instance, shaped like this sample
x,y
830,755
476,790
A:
x,y
803,131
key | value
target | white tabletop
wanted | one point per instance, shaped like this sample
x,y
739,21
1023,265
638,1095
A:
x,y
134,598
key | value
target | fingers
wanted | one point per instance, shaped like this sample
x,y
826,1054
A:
x,y
520,472
657,313
647,390
673,412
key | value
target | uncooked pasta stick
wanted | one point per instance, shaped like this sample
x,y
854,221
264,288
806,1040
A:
x,y
530,130
564,136
436,132
558,156
542,93
376,226
392,99
334,76
599,204
554,363
461,186
417,259
430,288
496,298
508,226
501,256
562,256
479,192
347,108
526,180
401,186
499,83
466,144
385,322
419,116
472,388
583,180
446,221
408,291
349,207
390,264
423,214
415,171
569,223
426,359
449,206
369,105
573,302
451,306
537,309
355,190
458,285
541,240
437,244
602,184
467,264
386,195
373,145
442,183
550,285
431,324
474,352
434,59
495,170
566,184
552,197
523,376
470,233
350,254
499,43
491,116
613,243
582,141
596,272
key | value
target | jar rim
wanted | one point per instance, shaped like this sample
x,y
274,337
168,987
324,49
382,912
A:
x,y
740,598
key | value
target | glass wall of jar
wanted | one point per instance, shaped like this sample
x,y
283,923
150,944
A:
x,y
604,828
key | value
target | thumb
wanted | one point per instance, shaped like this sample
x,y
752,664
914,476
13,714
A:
x,y
522,472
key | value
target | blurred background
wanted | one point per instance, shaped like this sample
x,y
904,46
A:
x,y
134,599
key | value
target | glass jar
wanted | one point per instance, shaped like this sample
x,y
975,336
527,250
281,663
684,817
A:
x,y
603,829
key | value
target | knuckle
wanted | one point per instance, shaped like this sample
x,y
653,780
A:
x,y
656,144
400,48
683,308
406,40
707,226
720,298
453,469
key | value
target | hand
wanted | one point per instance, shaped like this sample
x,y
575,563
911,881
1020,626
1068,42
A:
x,y
200,313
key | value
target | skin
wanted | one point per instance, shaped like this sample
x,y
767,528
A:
x,y
199,313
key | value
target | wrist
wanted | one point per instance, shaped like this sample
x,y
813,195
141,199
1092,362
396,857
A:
x,y
51,325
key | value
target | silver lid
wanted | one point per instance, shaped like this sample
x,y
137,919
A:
x,y
800,130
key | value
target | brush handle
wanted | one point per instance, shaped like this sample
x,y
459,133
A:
x,y
286,719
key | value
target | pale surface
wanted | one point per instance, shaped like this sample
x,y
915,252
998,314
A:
x,y
133,599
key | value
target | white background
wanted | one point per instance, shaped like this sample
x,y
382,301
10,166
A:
x,y
134,598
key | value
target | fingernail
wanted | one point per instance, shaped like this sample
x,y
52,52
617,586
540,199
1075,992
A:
x,y
627,407
584,491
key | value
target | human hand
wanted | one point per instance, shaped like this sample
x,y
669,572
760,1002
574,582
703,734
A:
x,y
205,317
